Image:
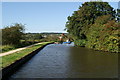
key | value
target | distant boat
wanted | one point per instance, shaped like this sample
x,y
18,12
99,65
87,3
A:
x,y
67,42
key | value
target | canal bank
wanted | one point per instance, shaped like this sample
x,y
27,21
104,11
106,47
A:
x,y
10,69
67,61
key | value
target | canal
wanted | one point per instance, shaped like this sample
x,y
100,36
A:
x,y
67,61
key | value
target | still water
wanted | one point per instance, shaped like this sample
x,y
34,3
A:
x,y
67,61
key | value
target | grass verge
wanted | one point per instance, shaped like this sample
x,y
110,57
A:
x,y
9,59
6,48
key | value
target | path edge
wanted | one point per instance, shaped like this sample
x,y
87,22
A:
x,y
9,70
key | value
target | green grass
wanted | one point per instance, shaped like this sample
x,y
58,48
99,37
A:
x,y
9,59
6,48
23,43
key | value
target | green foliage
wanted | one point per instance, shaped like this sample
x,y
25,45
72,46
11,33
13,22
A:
x,y
52,37
79,23
11,35
118,15
32,36
81,43
22,43
94,26
104,36
7,48
9,59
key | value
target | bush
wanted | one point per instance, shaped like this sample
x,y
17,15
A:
x,y
11,35
22,43
81,43
7,48
104,36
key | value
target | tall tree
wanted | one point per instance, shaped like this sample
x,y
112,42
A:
x,y
12,34
118,15
80,21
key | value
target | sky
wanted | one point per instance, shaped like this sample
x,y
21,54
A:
x,y
56,0
40,16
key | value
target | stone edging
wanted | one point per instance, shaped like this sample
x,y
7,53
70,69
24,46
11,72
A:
x,y
9,70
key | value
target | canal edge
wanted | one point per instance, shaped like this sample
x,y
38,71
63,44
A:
x,y
9,70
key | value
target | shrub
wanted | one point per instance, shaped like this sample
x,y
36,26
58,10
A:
x,y
104,36
7,48
11,35
81,43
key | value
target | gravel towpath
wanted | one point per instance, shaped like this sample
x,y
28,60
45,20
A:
x,y
16,50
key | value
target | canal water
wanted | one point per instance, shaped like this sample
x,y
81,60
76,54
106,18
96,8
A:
x,y
67,61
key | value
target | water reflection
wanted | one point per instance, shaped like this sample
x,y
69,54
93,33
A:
x,y
67,61
86,63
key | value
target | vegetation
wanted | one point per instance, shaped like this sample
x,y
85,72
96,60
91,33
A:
x,y
6,48
50,37
81,42
9,59
32,36
94,26
14,37
104,36
11,37
12,34
55,37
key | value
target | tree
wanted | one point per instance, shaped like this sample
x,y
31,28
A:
x,y
103,34
32,36
12,34
80,21
118,15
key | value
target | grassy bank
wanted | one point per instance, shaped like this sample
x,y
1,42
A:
x,y
6,48
23,43
9,59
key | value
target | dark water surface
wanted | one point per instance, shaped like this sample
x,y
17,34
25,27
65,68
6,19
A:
x,y
67,61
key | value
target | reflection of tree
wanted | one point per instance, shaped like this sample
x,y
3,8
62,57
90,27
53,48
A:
x,y
85,63
79,58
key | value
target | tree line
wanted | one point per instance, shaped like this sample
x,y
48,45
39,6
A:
x,y
15,35
95,25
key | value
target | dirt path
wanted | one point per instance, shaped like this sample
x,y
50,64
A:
x,y
19,49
